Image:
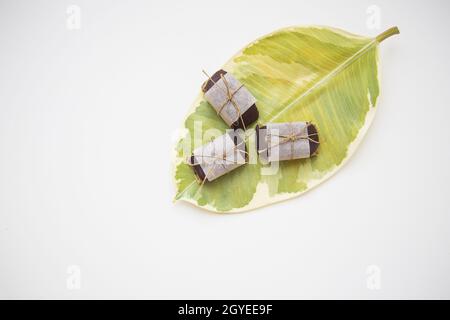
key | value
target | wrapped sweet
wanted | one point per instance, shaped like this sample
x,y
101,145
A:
x,y
231,100
218,157
286,141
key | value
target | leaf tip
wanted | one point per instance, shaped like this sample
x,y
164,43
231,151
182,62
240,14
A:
x,y
177,197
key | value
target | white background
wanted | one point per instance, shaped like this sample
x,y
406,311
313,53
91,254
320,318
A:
x,y
86,124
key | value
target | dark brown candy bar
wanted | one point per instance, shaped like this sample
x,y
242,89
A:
x,y
206,160
263,147
247,117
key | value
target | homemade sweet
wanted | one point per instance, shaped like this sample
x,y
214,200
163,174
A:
x,y
286,141
231,100
218,157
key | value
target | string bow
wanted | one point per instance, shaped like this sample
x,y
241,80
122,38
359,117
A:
x,y
220,159
230,95
290,138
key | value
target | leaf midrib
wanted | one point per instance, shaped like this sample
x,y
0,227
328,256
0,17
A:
x,y
326,78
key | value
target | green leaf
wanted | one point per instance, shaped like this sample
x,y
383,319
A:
x,y
318,74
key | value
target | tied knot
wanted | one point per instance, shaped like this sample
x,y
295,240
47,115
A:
x,y
224,158
230,95
292,138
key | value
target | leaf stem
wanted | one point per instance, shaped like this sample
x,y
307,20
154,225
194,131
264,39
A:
x,y
388,33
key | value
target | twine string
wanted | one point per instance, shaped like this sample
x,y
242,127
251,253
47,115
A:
x,y
230,95
292,138
218,160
